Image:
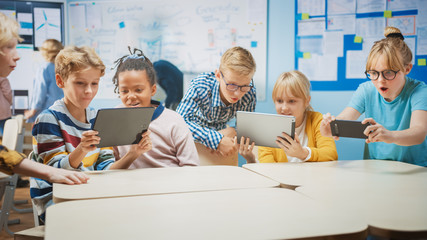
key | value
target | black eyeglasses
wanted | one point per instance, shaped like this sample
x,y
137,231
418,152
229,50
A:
x,y
387,74
234,87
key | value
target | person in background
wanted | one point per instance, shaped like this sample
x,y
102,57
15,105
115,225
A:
x,y
12,161
291,96
394,104
45,91
5,102
172,143
213,99
63,135
171,79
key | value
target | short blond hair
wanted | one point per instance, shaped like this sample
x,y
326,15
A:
x,y
395,50
9,29
50,48
294,82
74,59
238,60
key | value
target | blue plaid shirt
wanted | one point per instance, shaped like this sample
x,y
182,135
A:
x,y
205,113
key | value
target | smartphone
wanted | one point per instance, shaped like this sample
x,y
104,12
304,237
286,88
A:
x,y
347,128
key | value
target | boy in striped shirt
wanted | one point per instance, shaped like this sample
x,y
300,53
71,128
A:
x,y
214,98
62,134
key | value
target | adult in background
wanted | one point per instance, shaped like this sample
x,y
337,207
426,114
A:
x,y
45,90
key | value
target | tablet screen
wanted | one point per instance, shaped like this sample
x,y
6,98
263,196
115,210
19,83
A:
x,y
122,126
264,128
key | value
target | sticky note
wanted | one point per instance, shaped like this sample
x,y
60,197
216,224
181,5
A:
x,y
305,16
254,44
422,62
358,39
306,55
122,24
387,14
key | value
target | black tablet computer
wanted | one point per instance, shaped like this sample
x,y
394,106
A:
x,y
348,128
263,128
122,126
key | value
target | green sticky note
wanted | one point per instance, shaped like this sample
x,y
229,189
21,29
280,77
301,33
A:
x,y
387,14
358,39
422,62
306,55
305,16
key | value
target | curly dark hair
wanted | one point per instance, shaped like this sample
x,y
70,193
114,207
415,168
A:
x,y
137,61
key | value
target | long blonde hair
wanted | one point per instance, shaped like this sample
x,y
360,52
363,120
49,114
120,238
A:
x,y
294,82
393,47
9,29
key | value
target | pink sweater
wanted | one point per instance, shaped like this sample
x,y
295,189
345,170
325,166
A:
x,y
5,99
173,144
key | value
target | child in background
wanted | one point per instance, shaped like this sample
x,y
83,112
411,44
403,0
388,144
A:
x,y
171,79
394,104
291,96
214,98
62,134
173,145
45,91
12,161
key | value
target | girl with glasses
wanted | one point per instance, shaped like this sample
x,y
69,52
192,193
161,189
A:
x,y
394,104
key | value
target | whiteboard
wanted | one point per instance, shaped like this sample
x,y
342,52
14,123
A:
x,y
192,34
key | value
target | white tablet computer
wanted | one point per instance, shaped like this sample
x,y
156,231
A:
x,y
264,128
122,126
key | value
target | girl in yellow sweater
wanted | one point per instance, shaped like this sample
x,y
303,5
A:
x,y
291,96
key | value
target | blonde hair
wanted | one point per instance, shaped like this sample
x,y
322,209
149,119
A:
x,y
73,59
393,47
238,60
9,29
294,82
50,48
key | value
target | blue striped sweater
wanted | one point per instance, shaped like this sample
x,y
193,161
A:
x,y
56,133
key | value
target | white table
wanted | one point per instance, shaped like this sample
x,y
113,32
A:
x,y
292,175
393,201
121,183
267,213
390,195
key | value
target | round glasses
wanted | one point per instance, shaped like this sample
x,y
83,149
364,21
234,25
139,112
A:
x,y
234,87
387,74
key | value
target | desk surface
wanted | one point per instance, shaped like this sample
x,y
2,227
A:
x,y
391,195
394,203
267,213
293,175
104,184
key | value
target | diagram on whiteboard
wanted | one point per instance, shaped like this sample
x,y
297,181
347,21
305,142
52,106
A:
x,y
47,24
192,34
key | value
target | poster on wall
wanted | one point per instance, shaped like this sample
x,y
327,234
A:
x,y
332,45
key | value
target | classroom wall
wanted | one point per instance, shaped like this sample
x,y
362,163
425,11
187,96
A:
x,y
280,58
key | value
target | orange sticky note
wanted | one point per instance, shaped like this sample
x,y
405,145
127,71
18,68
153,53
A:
x,y
387,14
305,16
422,62
306,55
358,39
